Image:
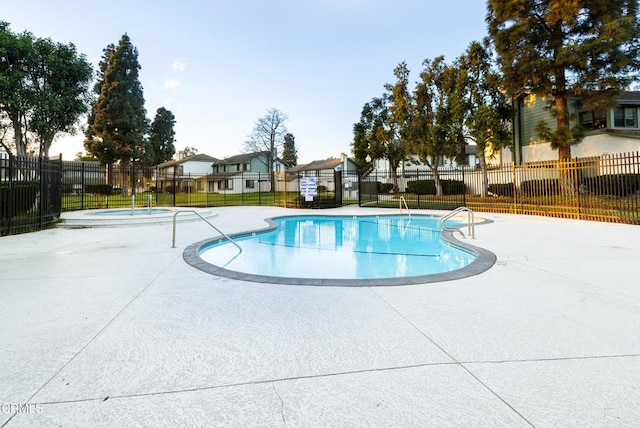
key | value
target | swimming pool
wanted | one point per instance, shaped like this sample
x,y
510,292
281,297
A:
x,y
342,250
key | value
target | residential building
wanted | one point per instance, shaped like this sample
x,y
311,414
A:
x,y
244,173
325,171
184,173
607,131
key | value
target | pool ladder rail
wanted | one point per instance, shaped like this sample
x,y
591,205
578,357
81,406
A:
x,y
401,201
173,242
471,231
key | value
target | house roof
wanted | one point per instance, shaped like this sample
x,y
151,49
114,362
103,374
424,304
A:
x,y
200,157
629,96
318,165
241,158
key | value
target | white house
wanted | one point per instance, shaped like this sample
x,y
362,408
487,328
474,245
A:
x,y
244,173
185,172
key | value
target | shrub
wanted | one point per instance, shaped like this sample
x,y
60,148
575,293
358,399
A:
x,y
385,187
170,189
422,187
369,187
99,189
616,184
501,189
19,200
322,188
545,187
428,187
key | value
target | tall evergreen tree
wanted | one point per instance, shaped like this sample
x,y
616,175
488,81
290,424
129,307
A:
x,y
118,124
289,152
161,146
559,49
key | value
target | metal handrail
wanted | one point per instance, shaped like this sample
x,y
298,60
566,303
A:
x,y
402,199
173,242
470,221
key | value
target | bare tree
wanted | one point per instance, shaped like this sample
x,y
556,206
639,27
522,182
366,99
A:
x,y
268,136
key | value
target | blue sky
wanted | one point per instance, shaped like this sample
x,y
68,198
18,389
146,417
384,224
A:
x,y
219,65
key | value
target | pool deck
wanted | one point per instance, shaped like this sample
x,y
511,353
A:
x,y
110,327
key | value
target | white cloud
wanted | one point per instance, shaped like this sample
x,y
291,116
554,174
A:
x,y
171,83
179,65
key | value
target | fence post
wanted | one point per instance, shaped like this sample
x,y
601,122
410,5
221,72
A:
x,y
42,193
464,189
82,184
10,191
515,187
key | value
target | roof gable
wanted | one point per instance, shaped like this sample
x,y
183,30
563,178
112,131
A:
x,y
200,157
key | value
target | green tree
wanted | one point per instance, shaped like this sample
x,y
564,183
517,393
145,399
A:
x,y
560,49
60,83
15,98
381,130
44,88
376,136
289,152
161,138
487,111
436,127
118,123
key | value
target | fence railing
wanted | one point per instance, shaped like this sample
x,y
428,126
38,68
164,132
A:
x,y
33,192
605,188
30,194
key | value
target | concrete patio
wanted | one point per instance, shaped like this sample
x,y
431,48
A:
x,y
110,327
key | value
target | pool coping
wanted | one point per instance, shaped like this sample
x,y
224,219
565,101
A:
x,y
91,219
483,261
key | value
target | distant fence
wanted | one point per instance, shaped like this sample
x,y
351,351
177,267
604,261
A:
x,y
89,185
33,192
605,188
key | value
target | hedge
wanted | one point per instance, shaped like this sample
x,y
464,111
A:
x,y
20,200
545,187
616,185
99,189
501,189
428,187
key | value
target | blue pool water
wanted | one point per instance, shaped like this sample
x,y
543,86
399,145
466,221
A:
x,y
364,247
136,211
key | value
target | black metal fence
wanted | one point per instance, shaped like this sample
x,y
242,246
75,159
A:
x,y
30,194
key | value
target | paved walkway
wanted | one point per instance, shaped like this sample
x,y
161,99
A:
x,y
110,327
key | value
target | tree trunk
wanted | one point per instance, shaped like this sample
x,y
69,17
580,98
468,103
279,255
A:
x,y
484,192
21,147
436,179
565,180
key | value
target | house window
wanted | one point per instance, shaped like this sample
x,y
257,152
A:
x,y
228,184
250,184
247,167
626,117
593,119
